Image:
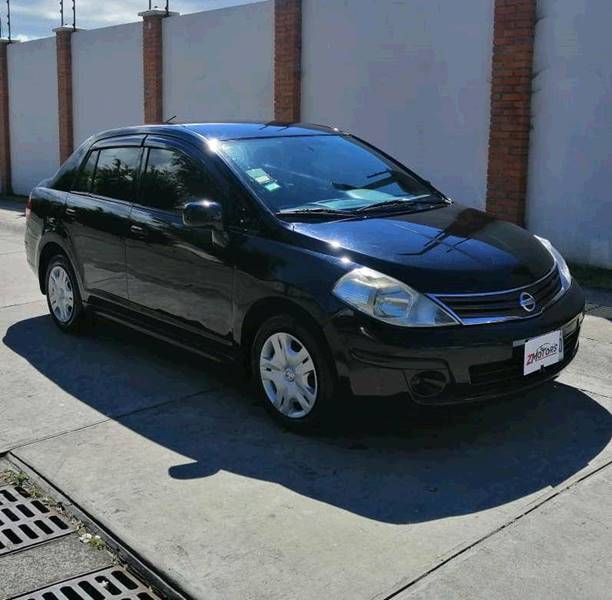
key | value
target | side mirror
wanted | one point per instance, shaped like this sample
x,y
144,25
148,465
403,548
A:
x,y
203,213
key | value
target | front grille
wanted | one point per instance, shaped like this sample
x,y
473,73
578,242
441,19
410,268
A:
x,y
505,372
494,306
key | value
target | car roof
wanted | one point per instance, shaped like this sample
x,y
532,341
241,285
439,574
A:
x,y
223,131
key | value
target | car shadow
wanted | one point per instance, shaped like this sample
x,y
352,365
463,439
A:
x,y
383,460
13,206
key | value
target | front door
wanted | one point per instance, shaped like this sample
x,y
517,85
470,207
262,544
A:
x,y
182,275
97,216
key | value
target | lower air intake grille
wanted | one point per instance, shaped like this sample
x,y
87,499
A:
x,y
114,582
507,371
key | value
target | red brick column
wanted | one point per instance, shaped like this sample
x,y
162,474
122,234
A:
x,y
513,38
152,64
5,133
63,40
287,60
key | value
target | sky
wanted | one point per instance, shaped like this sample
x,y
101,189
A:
x,y
31,19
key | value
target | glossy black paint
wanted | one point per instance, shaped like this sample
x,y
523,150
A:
x,y
468,250
209,287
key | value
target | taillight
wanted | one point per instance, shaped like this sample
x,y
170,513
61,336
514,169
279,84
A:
x,y
28,209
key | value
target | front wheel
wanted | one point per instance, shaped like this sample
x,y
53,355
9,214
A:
x,y
63,296
295,378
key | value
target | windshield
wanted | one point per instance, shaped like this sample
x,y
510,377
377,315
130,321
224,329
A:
x,y
322,173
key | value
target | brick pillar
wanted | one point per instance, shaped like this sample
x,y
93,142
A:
x,y
63,40
513,38
6,186
152,63
287,60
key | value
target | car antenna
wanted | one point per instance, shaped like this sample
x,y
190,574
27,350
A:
x,y
169,121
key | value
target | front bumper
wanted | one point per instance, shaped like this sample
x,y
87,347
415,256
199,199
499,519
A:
x,y
450,364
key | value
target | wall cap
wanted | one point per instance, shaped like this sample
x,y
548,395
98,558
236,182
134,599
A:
x,y
157,13
68,28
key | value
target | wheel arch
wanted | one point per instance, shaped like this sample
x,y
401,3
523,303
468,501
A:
x,y
49,250
266,308
52,246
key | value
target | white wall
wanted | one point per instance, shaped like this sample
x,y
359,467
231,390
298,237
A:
x,y
218,65
411,76
107,79
569,196
33,114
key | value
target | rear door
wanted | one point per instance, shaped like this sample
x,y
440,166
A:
x,y
97,214
179,274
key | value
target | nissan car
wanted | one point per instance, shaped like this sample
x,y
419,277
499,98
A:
x,y
321,264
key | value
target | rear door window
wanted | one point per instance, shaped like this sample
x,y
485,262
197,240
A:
x,y
171,178
115,172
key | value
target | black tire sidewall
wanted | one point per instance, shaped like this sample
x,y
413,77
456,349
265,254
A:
x,y
326,378
75,320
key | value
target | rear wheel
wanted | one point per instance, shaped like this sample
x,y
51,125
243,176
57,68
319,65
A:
x,y
294,375
63,296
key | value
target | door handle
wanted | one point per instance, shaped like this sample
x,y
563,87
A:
x,y
137,229
71,211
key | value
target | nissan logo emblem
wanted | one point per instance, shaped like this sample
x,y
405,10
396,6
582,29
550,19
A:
x,y
527,301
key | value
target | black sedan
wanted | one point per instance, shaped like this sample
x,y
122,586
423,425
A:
x,y
322,263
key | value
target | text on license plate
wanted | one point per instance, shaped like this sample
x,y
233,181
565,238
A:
x,y
542,351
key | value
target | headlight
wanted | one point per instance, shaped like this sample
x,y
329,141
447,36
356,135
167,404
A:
x,y
389,300
566,276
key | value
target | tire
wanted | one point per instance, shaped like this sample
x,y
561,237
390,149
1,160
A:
x,y
298,394
63,297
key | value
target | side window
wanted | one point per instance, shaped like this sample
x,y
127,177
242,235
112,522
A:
x,y
83,183
170,178
116,172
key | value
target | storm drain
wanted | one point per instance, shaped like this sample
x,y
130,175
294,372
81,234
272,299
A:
x,y
26,521
114,582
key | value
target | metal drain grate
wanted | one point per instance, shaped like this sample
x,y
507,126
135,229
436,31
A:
x,y
114,582
26,521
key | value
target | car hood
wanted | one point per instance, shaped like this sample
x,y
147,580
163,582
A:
x,y
451,249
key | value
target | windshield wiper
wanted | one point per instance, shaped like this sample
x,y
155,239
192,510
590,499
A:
x,y
322,212
403,202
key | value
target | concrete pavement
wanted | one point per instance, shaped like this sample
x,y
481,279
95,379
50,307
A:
x,y
561,550
178,461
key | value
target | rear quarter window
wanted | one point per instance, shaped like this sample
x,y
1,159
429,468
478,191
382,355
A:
x,y
83,182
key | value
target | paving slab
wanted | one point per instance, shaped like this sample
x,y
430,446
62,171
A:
x,y
591,370
10,244
598,297
598,324
12,217
52,562
18,284
51,382
229,506
562,550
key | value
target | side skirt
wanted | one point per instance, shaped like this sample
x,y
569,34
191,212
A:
x,y
182,340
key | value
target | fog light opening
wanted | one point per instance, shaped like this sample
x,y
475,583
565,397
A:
x,y
428,384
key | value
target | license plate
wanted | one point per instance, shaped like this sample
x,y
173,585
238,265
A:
x,y
542,351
